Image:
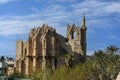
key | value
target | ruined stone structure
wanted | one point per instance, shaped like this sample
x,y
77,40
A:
x,y
45,47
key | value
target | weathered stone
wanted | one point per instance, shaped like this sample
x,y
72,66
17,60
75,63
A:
x,y
45,47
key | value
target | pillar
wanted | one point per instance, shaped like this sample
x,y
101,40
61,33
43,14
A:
x,y
34,63
53,53
43,53
27,66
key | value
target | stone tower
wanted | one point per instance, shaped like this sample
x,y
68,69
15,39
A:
x,y
77,39
83,35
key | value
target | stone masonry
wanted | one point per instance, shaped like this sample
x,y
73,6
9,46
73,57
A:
x,y
45,47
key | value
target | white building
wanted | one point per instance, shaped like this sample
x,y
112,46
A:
x,y
10,66
2,67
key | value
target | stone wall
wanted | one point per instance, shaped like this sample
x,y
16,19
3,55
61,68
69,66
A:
x,y
46,48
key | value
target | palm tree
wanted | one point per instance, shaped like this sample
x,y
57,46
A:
x,y
107,63
112,49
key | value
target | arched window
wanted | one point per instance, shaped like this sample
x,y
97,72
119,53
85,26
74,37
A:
x,y
74,35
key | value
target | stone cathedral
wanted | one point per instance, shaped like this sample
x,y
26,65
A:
x,y
45,46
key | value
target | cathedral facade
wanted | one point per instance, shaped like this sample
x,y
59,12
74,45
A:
x,y
45,46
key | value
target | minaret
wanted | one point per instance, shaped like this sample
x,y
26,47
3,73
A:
x,y
83,36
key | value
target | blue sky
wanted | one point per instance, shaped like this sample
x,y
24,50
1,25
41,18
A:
x,y
17,17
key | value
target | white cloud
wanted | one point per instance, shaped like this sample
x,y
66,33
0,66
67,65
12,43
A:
x,y
5,1
22,24
113,37
56,15
96,8
59,16
112,7
57,0
65,0
90,52
9,27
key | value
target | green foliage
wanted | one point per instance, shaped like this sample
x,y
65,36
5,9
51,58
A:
x,y
41,75
2,58
61,73
102,65
112,49
18,75
105,65
69,60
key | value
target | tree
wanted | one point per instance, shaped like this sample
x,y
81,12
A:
x,y
102,65
2,58
112,49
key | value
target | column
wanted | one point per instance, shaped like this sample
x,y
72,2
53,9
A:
x,y
53,53
27,66
34,63
19,67
43,53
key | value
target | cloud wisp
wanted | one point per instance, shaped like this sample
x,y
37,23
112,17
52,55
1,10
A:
x,y
98,14
5,1
56,15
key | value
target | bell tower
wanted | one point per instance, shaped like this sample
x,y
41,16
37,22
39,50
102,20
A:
x,y
83,35
78,41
